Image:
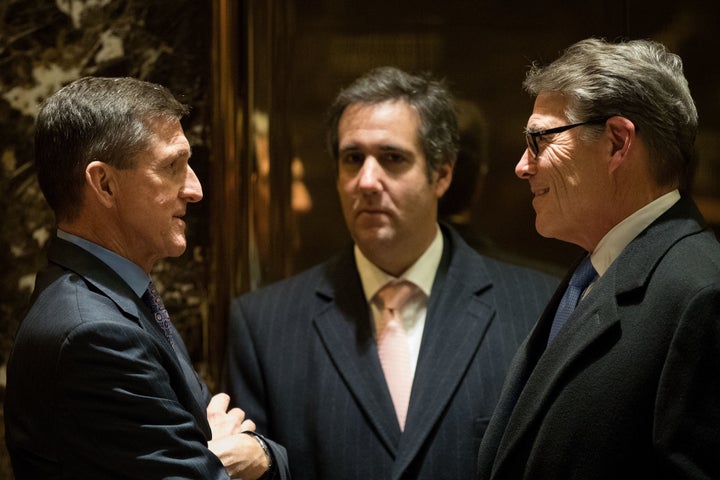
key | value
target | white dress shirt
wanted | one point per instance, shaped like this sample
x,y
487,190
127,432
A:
x,y
422,274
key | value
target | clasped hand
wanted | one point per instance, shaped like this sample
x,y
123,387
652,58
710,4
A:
x,y
239,452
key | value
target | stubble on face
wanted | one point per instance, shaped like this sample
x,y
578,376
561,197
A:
x,y
154,195
389,205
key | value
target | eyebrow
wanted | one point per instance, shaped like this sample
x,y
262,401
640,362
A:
x,y
534,128
383,148
184,153
349,147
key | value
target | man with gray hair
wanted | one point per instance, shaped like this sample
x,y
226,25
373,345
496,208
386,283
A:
x,y
619,377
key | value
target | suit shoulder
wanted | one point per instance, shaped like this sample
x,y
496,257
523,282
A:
x,y
63,302
693,257
304,280
293,293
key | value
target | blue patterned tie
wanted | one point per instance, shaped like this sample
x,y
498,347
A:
x,y
584,274
152,299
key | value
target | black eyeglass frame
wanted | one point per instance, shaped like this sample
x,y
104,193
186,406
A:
x,y
531,137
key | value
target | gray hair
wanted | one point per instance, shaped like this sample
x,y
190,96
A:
x,y
429,97
639,80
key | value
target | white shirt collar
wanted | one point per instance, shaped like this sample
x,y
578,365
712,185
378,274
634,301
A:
x,y
613,243
421,273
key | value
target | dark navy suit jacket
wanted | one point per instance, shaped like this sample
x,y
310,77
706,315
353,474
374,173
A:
x,y
304,365
630,388
94,389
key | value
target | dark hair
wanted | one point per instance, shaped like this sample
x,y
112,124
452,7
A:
x,y
104,119
640,80
473,162
430,98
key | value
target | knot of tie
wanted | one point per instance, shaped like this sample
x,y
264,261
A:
x,y
584,274
394,295
152,299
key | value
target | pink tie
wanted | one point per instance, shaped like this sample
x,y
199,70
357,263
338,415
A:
x,y
392,343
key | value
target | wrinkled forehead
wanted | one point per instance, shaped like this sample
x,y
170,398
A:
x,y
548,110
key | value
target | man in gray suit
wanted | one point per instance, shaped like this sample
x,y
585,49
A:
x,y
626,384
318,361
99,383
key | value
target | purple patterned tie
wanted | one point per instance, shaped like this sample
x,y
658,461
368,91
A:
x,y
152,299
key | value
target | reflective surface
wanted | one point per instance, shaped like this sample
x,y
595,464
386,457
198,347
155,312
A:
x,y
301,53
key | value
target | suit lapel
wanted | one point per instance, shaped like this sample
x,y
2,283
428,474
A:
x,y
595,320
537,375
457,320
343,325
520,369
107,282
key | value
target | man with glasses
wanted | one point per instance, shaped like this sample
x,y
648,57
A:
x,y
619,378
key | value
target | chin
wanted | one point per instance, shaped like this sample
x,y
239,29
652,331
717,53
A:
x,y
542,228
177,249
374,241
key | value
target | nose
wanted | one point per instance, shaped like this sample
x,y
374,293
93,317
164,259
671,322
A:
x,y
525,168
369,174
192,190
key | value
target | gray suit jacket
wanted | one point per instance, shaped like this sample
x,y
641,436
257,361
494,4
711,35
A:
x,y
94,389
304,366
630,388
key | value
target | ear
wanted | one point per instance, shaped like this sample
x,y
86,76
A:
x,y
101,182
622,139
445,174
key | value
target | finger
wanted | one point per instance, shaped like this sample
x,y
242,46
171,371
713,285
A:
x,y
218,403
248,426
237,414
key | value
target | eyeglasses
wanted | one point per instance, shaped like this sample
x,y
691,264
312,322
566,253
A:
x,y
531,137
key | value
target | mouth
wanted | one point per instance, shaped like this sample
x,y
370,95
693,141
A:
x,y
371,211
540,192
371,216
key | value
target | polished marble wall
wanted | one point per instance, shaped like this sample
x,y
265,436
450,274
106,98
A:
x,y
45,44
